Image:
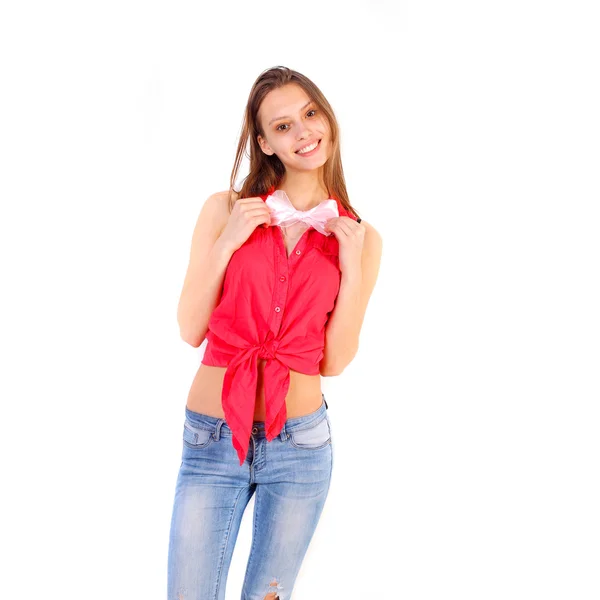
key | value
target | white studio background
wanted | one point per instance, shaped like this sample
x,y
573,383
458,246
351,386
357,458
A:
x,y
466,429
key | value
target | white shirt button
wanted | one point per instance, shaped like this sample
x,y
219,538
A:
x,y
277,309
297,251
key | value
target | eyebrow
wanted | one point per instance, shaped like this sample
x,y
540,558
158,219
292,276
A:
x,y
286,117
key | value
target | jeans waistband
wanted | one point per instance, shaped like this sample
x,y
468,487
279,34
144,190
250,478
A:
x,y
258,427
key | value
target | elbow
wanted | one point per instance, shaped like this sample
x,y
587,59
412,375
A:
x,y
329,373
330,370
193,340
191,331
337,371
191,334
337,368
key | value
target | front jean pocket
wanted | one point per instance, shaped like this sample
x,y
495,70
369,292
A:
x,y
312,437
196,437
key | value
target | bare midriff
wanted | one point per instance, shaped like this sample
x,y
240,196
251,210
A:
x,y
303,397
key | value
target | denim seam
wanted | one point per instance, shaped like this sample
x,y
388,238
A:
x,y
311,448
294,445
306,425
222,557
330,471
254,537
197,446
191,425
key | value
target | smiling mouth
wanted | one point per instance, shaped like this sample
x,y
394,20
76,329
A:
x,y
318,144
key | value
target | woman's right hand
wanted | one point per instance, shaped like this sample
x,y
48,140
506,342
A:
x,y
246,215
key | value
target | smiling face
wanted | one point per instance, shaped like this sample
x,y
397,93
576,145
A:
x,y
292,122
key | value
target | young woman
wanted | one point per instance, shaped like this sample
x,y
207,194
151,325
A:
x,y
278,282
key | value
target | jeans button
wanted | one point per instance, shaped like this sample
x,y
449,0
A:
x,y
254,430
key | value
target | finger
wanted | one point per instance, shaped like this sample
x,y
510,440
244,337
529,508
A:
x,y
345,226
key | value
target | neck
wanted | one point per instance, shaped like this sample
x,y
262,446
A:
x,y
304,190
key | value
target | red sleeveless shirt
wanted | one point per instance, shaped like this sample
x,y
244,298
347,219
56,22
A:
x,y
273,307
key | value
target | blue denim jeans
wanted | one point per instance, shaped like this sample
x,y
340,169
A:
x,y
290,476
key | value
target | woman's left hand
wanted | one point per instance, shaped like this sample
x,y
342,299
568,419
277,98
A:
x,y
351,235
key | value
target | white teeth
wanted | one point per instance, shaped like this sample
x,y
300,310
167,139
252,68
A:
x,y
308,148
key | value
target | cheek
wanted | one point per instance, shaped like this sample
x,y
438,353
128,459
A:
x,y
282,149
323,126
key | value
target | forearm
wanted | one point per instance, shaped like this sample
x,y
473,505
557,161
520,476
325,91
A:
x,y
202,294
343,327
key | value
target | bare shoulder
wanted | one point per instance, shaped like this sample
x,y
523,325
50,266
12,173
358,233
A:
x,y
216,209
224,201
373,238
225,194
221,199
371,254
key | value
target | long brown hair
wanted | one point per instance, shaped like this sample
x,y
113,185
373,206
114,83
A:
x,y
267,171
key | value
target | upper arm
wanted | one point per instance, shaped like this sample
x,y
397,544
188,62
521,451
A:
x,y
370,262
209,226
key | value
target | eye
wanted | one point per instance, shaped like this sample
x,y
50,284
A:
x,y
312,110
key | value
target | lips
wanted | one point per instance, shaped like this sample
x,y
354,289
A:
x,y
307,145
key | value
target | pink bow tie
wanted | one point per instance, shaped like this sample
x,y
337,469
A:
x,y
284,214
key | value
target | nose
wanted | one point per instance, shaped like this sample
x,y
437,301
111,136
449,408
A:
x,y
303,132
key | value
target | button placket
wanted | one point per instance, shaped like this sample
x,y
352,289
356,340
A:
x,y
281,286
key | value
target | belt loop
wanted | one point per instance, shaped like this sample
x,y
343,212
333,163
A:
x,y
283,434
217,434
